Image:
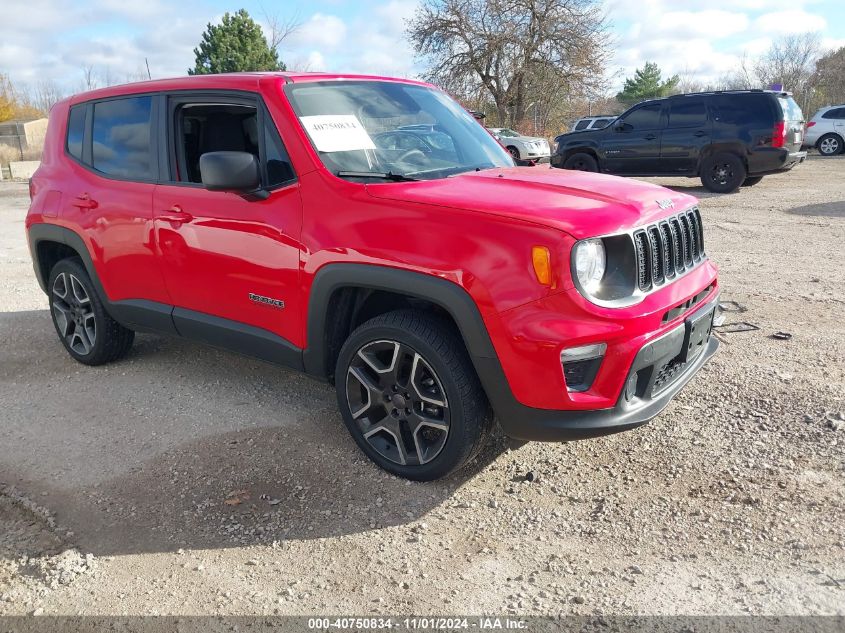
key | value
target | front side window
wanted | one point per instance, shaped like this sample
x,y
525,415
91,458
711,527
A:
x,y
382,127
228,127
76,131
646,117
601,123
582,124
684,113
121,138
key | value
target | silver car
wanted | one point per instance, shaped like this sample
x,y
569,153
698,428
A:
x,y
826,131
522,147
593,122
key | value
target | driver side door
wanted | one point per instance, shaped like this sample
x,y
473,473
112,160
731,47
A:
x,y
633,144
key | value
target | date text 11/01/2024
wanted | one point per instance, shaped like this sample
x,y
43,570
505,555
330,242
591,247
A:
x,y
446,624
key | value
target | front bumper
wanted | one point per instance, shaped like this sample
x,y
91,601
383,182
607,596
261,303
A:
x,y
661,368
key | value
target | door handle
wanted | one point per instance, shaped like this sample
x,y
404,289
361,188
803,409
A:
x,y
175,215
699,134
84,201
650,137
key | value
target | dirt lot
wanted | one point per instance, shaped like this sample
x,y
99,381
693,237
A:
x,y
185,480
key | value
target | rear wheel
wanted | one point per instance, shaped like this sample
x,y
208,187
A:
x,y
84,327
722,173
830,145
409,395
751,181
581,162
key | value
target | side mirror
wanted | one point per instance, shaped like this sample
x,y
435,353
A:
x,y
230,171
619,126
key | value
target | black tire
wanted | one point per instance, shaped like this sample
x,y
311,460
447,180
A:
x,y
751,181
514,152
581,162
722,173
87,331
375,354
830,145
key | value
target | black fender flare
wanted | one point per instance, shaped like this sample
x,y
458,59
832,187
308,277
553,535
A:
x,y
61,235
442,292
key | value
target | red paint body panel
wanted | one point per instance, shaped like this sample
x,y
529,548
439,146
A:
x,y
475,230
232,248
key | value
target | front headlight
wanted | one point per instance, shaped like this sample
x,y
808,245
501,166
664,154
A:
x,y
590,263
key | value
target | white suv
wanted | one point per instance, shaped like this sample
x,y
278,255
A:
x,y
826,131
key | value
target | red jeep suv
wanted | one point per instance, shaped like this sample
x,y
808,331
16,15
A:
x,y
370,232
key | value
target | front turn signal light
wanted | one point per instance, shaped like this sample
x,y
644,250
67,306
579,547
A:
x,y
542,261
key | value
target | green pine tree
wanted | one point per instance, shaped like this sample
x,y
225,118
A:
x,y
646,84
236,44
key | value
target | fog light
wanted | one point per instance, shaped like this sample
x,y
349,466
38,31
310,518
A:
x,y
581,364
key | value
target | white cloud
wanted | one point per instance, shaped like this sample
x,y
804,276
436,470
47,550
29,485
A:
x,y
326,31
792,21
709,23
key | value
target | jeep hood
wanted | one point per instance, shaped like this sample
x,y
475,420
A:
x,y
579,203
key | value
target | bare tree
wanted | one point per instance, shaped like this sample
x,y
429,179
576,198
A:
x,y
790,61
45,94
518,51
280,28
89,77
828,80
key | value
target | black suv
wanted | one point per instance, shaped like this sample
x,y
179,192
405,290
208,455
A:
x,y
728,138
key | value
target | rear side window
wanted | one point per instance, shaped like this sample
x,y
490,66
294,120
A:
x,y
645,118
791,110
747,109
121,138
76,131
582,124
687,113
836,113
600,123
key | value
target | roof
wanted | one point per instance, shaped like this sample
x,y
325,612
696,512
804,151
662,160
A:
x,y
226,81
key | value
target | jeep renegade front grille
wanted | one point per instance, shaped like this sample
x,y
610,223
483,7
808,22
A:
x,y
668,249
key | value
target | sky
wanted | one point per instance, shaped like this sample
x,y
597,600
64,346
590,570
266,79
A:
x,y
46,40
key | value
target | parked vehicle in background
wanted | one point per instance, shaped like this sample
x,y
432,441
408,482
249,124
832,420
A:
x,y
728,138
521,147
826,131
593,122
413,266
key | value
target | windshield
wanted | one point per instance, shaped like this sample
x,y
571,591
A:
x,y
507,132
389,129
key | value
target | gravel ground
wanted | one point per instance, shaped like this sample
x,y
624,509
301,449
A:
x,y
184,480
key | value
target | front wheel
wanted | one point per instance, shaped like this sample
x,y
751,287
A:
x,y
514,152
722,173
581,162
409,395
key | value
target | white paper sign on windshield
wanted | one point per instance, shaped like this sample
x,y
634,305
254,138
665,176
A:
x,y
337,132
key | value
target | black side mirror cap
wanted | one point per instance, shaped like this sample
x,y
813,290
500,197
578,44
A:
x,y
230,171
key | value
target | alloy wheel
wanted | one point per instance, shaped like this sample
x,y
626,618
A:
x,y
397,402
74,313
829,146
722,173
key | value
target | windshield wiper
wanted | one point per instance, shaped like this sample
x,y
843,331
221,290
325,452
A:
x,y
381,175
